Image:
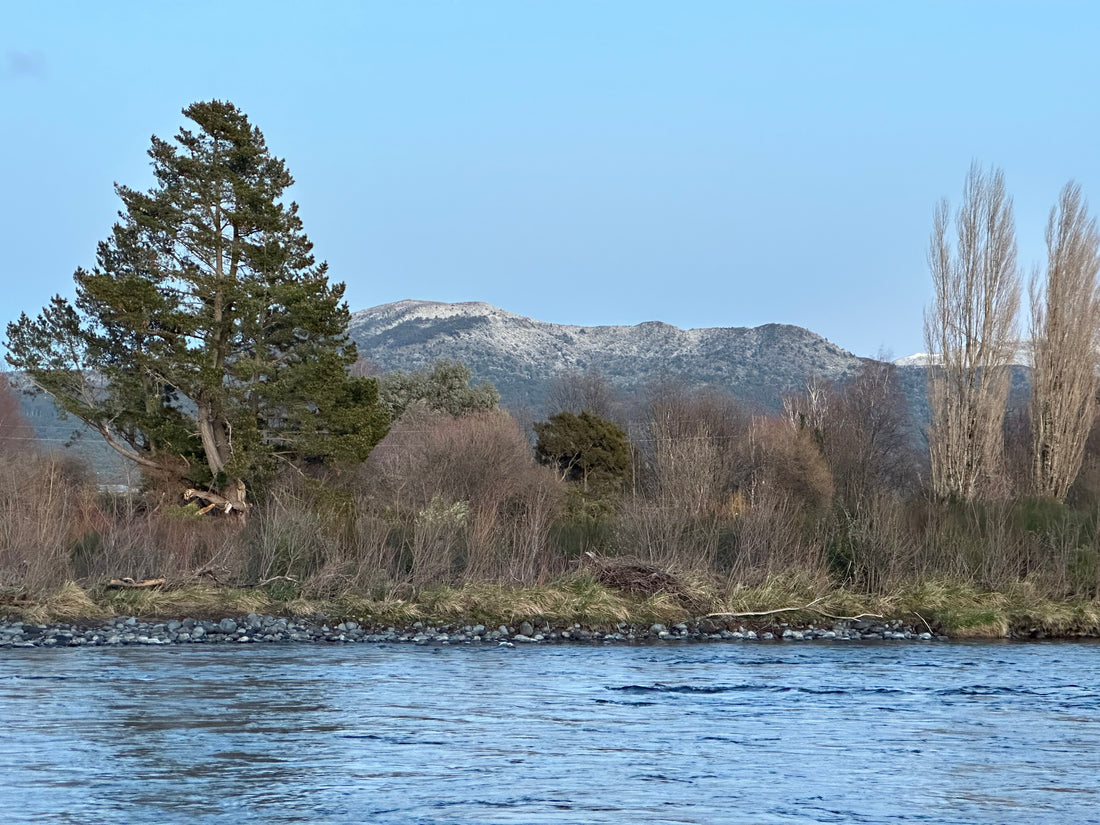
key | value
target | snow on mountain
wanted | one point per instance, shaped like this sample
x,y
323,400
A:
x,y
1021,358
522,355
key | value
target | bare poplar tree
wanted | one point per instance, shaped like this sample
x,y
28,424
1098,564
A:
x,y
970,334
1065,323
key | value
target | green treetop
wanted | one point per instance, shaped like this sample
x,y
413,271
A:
x,y
445,388
207,344
585,448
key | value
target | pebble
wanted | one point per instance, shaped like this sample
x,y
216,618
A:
x,y
257,629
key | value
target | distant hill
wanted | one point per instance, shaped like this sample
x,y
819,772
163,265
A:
x,y
69,435
521,355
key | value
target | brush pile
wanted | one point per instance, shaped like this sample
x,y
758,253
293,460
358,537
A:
x,y
633,577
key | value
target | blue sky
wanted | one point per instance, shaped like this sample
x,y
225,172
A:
x,y
700,163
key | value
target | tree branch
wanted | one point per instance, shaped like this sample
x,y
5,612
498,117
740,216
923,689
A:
x,y
809,606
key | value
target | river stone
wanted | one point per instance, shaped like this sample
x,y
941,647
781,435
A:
x,y
198,632
525,629
227,626
657,629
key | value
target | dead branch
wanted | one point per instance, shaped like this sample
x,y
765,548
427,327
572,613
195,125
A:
x,y
765,612
266,582
129,584
214,501
209,573
919,616
809,607
847,618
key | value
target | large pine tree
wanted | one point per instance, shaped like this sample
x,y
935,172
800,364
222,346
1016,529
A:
x,y
207,343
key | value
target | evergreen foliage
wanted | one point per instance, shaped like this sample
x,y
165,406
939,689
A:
x,y
584,448
207,343
445,388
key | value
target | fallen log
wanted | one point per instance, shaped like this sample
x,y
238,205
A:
x,y
129,584
216,501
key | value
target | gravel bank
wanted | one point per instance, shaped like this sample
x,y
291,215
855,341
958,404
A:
x,y
256,629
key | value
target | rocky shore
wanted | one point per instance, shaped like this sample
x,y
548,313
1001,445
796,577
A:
x,y
257,629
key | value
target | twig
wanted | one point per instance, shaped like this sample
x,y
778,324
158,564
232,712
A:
x,y
847,618
919,616
766,612
265,582
207,572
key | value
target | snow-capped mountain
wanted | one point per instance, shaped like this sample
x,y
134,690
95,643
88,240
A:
x,y
521,355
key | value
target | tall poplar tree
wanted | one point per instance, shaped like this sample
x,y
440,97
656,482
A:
x,y
1065,330
970,333
207,344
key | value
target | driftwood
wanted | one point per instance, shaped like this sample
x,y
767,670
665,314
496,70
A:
x,y
265,582
129,584
809,606
215,501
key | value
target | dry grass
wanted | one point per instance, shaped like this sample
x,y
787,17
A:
x,y
576,599
70,603
957,609
198,601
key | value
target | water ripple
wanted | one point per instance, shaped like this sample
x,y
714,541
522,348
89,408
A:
x,y
953,733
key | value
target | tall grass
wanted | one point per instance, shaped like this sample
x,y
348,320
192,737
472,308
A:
x,y
456,511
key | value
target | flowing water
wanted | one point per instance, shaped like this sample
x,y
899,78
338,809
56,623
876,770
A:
x,y
753,733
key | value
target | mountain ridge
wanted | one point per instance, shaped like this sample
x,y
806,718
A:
x,y
521,355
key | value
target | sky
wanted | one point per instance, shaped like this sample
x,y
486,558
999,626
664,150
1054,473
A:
x,y
704,163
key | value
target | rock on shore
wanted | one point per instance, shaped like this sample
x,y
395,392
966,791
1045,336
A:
x,y
256,629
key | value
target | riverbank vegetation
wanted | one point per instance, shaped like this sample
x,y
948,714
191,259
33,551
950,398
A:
x,y
281,475
452,518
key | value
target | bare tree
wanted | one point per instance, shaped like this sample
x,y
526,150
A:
x,y
970,334
16,434
1065,323
590,391
809,409
863,429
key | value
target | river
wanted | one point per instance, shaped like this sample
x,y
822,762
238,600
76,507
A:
x,y
676,733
